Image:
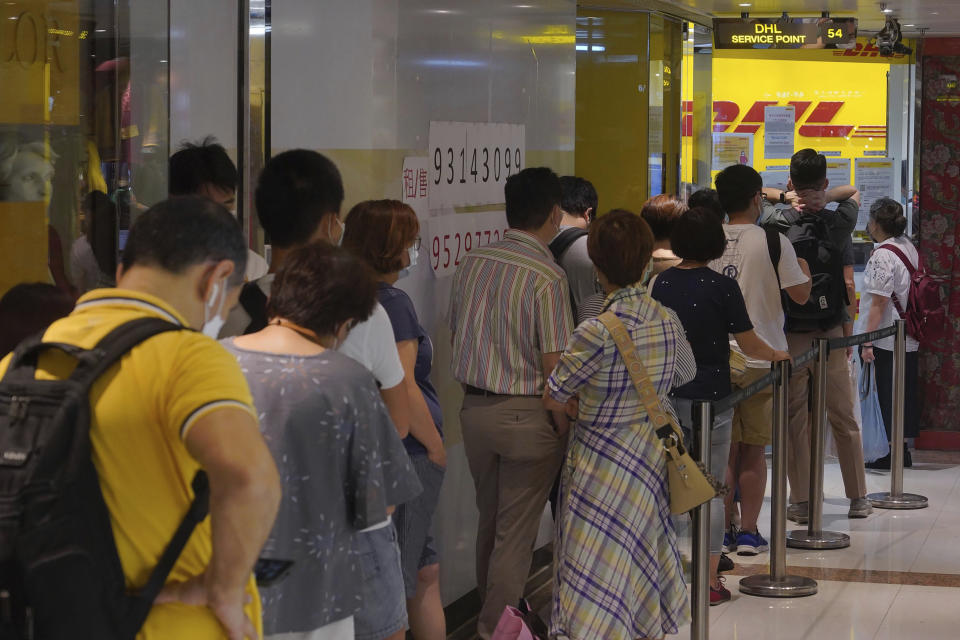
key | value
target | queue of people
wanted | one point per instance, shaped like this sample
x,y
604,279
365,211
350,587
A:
x,y
318,424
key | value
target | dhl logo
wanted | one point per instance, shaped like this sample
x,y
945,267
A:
x,y
818,124
864,50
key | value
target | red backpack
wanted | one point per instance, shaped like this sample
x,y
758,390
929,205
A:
x,y
926,318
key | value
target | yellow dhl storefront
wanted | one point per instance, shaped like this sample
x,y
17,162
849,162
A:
x,y
839,96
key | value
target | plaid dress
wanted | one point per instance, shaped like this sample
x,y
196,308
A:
x,y
617,574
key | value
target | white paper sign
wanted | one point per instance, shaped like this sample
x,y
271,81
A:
x,y
415,185
874,179
732,148
454,236
471,161
778,131
838,172
775,178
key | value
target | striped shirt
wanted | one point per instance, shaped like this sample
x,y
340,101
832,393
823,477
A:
x,y
510,304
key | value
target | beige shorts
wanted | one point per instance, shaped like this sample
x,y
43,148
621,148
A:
x,y
753,418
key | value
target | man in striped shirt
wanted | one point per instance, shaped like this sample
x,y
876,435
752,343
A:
x,y
510,318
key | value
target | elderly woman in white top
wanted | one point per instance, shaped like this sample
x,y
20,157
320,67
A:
x,y
886,286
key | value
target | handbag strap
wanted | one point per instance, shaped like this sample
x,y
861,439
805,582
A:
x,y
663,424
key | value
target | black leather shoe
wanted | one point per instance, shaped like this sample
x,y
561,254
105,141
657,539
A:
x,y
726,564
880,464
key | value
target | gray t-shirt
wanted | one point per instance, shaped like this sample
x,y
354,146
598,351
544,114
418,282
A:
x,y
341,465
581,274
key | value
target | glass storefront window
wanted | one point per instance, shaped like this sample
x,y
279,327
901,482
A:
x,y
84,135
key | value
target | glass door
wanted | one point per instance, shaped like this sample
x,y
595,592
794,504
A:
x,y
84,135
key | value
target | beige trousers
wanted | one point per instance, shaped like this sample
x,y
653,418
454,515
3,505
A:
x,y
840,408
514,455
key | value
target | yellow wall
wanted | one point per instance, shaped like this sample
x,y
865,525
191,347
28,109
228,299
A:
x,y
862,88
857,78
612,112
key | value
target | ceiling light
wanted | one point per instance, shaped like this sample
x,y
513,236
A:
x,y
886,10
909,25
745,4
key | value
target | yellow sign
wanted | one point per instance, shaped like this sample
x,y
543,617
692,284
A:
x,y
39,70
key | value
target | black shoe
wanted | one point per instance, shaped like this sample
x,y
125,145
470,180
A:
x,y
907,458
880,464
726,564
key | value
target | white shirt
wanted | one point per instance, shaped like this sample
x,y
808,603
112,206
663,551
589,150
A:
x,y
257,267
747,260
884,275
371,343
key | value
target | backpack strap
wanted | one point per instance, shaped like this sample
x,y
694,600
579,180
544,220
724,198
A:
x,y
254,301
910,269
117,343
774,249
563,240
137,614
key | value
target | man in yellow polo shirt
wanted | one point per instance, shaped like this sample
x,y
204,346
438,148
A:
x,y
177,403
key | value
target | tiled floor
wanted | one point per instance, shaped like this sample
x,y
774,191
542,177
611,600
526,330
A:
x,y
898,580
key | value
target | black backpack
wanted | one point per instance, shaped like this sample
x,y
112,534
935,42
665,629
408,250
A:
x,y
810,236
563,240
559,246
60,574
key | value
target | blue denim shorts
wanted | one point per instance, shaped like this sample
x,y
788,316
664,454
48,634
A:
x,y
383,610
414,520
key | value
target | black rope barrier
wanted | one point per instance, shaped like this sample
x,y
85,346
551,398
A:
x,y
852,341
735,398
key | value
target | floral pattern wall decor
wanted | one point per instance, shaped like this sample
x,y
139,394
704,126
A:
x,y
939,232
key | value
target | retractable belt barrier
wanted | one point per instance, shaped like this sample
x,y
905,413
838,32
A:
x,y
778,583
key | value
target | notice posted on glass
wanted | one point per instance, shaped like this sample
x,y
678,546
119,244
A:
x,y
874,179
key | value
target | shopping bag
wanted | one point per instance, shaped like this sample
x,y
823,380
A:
x,y
875,444
520,623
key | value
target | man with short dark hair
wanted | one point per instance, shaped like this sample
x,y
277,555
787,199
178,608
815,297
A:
x,y
748,258
298,198
175,404
578,199
808,179
510,319
205,169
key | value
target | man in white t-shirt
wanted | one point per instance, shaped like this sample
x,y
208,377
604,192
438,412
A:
x,y
748,260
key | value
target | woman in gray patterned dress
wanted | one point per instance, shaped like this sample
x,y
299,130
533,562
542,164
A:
x,y
340,461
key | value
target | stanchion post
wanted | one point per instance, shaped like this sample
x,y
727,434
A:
x,y
778,584
896,498
814,537
700,624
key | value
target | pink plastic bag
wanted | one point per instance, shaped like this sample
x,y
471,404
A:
x,y
520,624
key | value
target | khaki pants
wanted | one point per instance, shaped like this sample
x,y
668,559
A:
x,y
514,454
840,408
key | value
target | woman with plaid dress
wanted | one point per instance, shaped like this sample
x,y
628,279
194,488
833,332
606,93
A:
x,y
618,574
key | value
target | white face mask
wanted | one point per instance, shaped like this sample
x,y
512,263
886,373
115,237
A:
x,y
213,325
343,231
413,253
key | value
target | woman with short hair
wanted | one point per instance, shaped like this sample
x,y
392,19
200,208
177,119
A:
x,y
886,288
661,213
618,572
322,417
710,306
386,235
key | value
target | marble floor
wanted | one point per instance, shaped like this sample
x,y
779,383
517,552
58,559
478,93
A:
x,y
899,578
